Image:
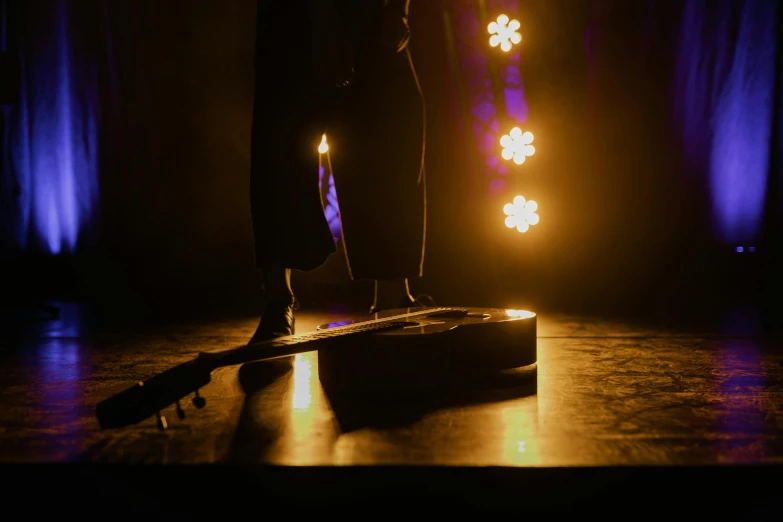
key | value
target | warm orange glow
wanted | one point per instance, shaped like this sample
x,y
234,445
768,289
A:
x,y
303,382
521,214
307,428
504,33
517,145
323,148
305,406
522,314
520,441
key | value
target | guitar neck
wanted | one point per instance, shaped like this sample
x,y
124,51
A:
x,y
300,343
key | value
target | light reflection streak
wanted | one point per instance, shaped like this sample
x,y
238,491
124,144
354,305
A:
x,y
742,389
309,432
519,421
59,362
303,382
61,366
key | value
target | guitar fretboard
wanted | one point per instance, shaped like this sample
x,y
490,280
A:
x,y
355,328
284,346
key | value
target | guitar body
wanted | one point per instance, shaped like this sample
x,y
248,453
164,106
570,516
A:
x,y
487,344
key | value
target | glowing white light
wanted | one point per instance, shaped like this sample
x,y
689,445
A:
x,y
504,33
517,145
303,382
521,214
323,148
522,314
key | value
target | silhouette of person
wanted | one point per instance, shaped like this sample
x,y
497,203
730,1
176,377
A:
x,y
340,67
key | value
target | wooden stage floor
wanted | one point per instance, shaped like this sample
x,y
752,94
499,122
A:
x,y
609,394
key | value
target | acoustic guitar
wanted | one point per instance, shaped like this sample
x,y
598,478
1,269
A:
x,y
451,340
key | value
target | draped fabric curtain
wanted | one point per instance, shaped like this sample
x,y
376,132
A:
x,y
718,63
726,98
51,135
658,133
657,124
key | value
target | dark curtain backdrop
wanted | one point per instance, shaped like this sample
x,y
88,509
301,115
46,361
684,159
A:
x,y
176,212
661,117
656,129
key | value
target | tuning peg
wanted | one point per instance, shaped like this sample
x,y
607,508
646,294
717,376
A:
x,y
199,401
162,424
180,411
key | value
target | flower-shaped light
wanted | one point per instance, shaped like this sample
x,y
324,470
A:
x,y
504,33
323,147
517,145
521,214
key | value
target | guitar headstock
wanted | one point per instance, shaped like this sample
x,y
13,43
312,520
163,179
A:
x,y
148,398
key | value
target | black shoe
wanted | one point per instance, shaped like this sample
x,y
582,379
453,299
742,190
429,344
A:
x,y
277,320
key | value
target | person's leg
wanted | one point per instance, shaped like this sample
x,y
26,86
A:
x,y
378,169
289,227
393,293
278,316
277,281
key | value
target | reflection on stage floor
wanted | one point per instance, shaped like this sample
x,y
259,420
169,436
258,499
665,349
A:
x,y
606,393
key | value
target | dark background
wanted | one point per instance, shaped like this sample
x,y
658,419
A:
x,y
623,228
